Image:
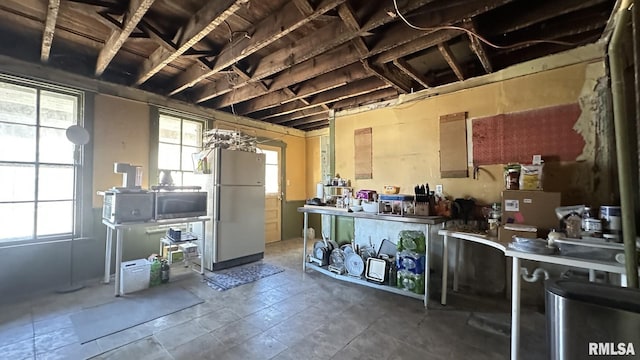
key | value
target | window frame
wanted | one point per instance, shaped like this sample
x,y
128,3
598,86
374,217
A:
x,y
81,165
156,113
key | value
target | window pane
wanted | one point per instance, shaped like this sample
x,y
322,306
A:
x,y
168,157
20,216
169,129
271,179
271,157
17,183
187,159
191,179
17,142
17,104
192,133
58,110
54,218
55,183
55,147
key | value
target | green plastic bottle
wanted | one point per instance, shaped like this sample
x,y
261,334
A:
x,y
155,278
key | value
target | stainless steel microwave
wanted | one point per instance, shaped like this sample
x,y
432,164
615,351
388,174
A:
x,y
179,204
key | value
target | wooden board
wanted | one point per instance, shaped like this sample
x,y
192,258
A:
x,y
363,153
453,145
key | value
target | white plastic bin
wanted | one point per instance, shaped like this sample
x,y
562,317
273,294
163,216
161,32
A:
x,y
134,275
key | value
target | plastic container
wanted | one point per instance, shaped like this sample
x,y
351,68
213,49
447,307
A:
x,y
134,275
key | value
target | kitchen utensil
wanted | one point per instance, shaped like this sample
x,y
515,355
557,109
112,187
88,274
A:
x,y
370,207
355,208
377,270
387,247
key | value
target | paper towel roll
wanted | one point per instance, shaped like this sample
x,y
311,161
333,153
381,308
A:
x,y
320,190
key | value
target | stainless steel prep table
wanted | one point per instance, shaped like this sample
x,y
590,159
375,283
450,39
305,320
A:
x,y
427,221
591,265
125,226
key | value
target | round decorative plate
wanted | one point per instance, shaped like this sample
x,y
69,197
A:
x,y
354,264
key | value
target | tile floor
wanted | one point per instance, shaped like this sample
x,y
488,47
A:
x,y
290,315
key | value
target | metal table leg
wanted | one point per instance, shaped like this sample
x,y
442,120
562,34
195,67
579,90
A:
x,y
445,268
459,243
202,241
107,256
304,241
427,265
515,307
118,260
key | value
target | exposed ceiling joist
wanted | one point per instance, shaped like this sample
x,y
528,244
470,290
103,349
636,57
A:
x,y
365,99
451,60
137,9
390,76
309,120
328,37
431,39
413,73
272,28
314,126
298,115
49,29
201,24
308,88
477,46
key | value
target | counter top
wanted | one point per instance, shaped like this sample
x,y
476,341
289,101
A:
x,y
330,210
475,237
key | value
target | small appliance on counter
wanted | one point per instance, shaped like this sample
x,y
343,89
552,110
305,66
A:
x,y
128,203
179,202
400,205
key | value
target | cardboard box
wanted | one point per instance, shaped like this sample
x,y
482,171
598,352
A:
x,y
536,208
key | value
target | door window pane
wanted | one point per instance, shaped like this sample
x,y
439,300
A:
x,y
17,142
20,217
58,110
55,147
55,218
271,179
16,183
271,157
17,104
55,183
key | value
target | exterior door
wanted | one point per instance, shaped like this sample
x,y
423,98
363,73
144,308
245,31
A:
x,y
273,194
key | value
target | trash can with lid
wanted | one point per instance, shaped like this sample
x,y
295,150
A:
x,y
591,319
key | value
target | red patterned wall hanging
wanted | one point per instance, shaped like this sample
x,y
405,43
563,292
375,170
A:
x,y
516,137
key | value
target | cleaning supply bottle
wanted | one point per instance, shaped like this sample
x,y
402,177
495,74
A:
x,y
155,272
164,271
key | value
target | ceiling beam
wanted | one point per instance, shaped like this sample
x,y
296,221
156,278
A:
x,y
308,88
476,46
321,41
405,67
451,60
522,15
425,42
303,5
284,21
330,36
308,120
49,29
315,126
202,23
137,9
390,76
364,99
321,64
352,89
298,115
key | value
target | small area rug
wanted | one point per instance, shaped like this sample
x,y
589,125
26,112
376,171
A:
x,y
131,310
229,278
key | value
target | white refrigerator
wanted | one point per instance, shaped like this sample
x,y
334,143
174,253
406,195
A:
x,y
236,197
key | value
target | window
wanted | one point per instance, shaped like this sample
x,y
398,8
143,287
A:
x,y
179,138
272,172
38,164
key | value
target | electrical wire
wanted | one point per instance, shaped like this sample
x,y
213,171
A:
x,y
477,36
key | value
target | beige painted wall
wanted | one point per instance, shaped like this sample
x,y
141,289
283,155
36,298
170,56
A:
x,y
313,172
406,136
121,134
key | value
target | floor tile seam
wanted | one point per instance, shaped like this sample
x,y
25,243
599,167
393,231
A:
x,y
265,334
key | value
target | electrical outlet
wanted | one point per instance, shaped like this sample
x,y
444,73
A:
x,y
438,189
